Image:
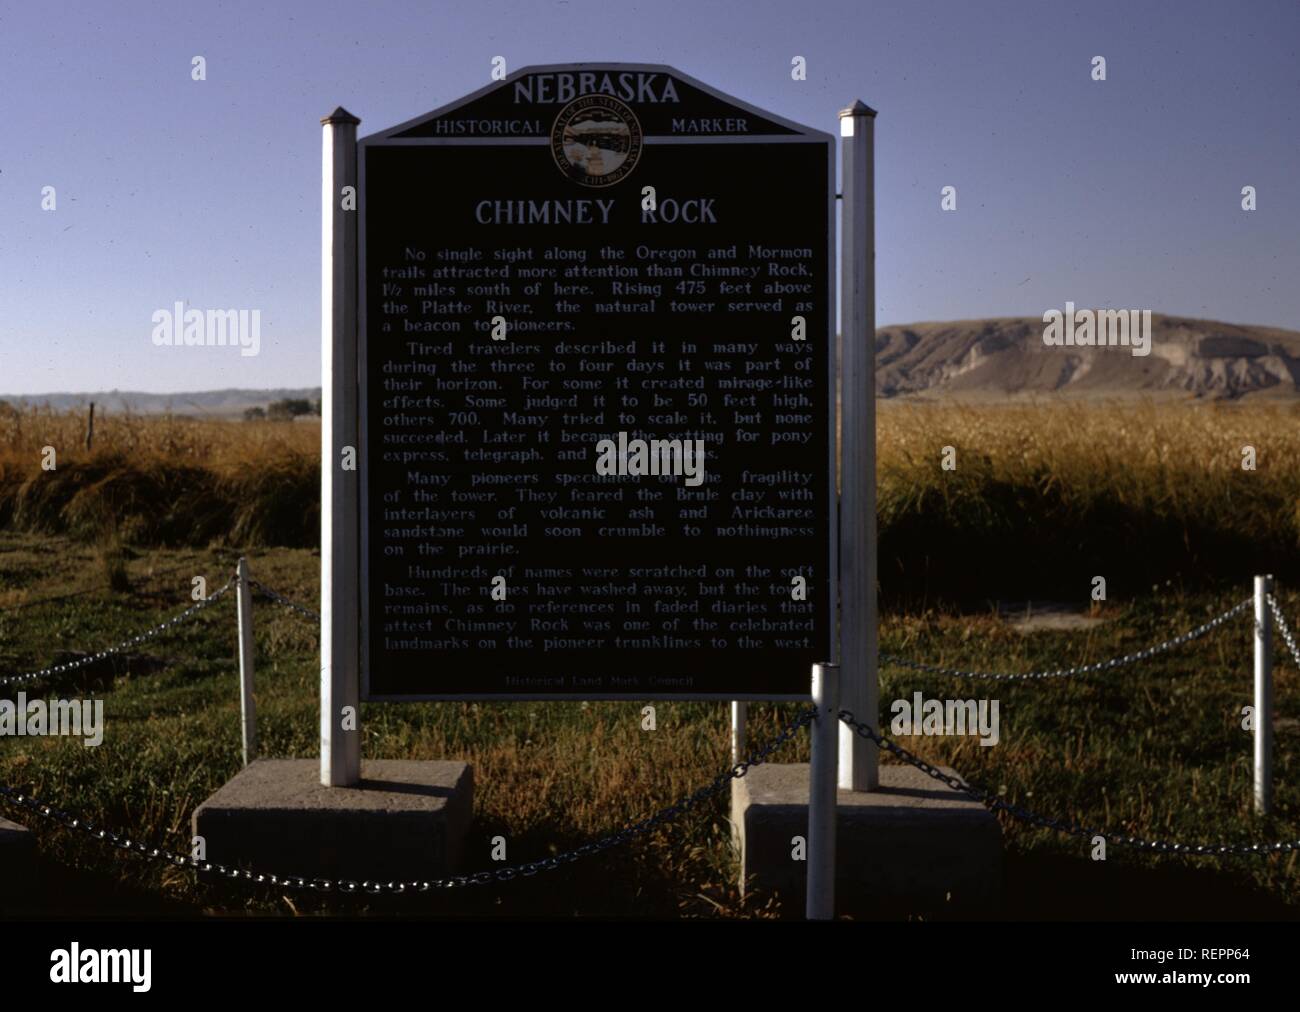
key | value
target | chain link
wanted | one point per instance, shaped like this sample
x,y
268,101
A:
x,y
281,599
992,801
346,886
1283,628
1082,669
148,634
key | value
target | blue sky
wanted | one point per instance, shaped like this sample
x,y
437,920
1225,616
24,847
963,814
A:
x,y
1123,193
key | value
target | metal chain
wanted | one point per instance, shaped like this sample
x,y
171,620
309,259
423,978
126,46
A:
x,y
1061,825
1099,666
1283,628
281,599
666,815
148,634
347,886
1116,662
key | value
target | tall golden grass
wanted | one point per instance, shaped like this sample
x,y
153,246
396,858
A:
x,y
165,480
1042,496
180,439
1045,496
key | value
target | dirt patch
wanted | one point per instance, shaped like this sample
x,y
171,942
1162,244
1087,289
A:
x,y
1054,616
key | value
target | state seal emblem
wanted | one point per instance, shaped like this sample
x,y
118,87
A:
x,y
596,140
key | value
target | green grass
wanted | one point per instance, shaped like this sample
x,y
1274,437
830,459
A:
x,y
1151,750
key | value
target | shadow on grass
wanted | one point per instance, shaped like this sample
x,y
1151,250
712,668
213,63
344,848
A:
x,y
1056,887
618,885
59,891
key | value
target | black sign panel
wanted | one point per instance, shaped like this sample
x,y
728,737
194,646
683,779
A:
x,y
597,394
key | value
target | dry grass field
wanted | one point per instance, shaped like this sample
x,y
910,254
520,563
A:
x,y
1042,497
161,480
1046,496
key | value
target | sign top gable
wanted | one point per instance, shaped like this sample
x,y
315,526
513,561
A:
x,y
667,103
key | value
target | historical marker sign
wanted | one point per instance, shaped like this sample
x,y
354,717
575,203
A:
x,y
597,421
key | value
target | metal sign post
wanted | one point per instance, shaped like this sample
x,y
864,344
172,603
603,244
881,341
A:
x,y
340,750
859,760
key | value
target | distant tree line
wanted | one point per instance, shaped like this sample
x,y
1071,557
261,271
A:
x,y
282,411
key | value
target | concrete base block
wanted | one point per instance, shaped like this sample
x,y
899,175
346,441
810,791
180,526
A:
x,y
913,846
405,820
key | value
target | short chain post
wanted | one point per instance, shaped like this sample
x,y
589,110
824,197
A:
x,y
822,797
1263,696
739,717
246,705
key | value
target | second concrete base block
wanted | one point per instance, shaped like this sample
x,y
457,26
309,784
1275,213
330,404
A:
x,y
406,820
913,847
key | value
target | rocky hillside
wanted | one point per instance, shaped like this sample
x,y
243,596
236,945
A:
x,y
1007,357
